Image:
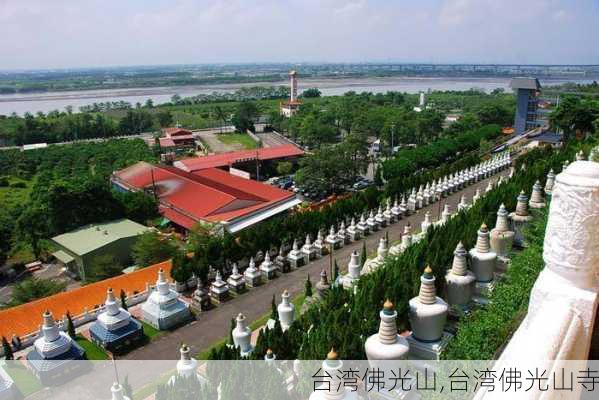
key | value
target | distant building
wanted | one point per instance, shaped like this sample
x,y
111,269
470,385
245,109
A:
x,y
176,140
78,248
527,103
209,196
34,146
290,107
242,159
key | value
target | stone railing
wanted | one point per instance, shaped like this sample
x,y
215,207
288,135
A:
x,y
563,302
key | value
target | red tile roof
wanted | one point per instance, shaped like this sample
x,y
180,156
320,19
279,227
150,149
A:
x,y
225,159
211,195
166,142
176,132
26,318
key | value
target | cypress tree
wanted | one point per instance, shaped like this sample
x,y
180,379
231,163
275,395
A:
x,y
71,327
231,342
308,287
363,256
7,349
123,300
274,314
335,270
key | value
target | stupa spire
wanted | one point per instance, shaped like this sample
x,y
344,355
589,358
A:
x,y
427,293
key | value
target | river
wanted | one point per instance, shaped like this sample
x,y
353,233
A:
x,y
48,101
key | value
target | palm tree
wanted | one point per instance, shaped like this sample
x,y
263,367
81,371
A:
x,y
221,116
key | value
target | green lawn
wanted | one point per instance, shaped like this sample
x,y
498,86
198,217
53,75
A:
x,y
92,350
150,331
12,196
24,380
241,138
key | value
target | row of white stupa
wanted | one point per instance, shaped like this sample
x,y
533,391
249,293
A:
x,y
461,282
417,199
299,256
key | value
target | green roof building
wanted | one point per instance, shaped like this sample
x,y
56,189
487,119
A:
x,y
78,248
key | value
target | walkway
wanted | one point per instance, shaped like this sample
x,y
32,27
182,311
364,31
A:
x,y
214,325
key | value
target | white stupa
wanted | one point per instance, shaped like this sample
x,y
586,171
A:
x,y
163,309
386,344
334,388
114,327
286,311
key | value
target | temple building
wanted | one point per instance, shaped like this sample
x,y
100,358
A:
x,y
527,103
115,329
48,360
163,309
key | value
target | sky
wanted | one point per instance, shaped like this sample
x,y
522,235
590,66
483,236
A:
x,y
88,33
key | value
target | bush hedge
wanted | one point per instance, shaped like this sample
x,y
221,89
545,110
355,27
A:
x,y
345,320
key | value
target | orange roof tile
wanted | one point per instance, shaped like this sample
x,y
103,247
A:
x,y
26,318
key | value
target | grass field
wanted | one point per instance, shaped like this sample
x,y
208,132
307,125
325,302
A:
x,y
240,138
11,195
150,331
92,351
24,380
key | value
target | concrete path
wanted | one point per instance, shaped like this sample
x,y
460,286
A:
x,y
214,325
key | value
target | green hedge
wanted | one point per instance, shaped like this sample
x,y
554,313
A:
x,y
441,150
345,320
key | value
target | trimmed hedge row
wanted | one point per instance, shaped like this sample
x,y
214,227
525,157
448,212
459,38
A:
x,y
441,150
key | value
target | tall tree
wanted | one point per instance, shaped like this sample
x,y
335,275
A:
x,y
7,349
71,327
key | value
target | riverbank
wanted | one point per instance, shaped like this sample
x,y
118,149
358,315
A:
x,y
48,101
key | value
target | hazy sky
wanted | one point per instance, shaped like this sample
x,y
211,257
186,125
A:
x,y
75,33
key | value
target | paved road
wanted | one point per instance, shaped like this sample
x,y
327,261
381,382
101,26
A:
x,y
270,139
214,324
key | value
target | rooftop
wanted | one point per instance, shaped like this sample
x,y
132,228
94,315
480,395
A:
x,y
25,319
177,132
525,83
226,159
210,195
94,236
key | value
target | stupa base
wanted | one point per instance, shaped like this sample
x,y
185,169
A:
x,y
428,350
